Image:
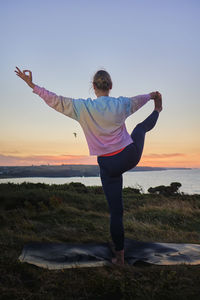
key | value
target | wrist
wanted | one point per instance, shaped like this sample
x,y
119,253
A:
x,y
31,84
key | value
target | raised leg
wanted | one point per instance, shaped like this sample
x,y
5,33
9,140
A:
x,y
138,134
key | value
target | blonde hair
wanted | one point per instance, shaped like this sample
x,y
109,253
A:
x,y
102,80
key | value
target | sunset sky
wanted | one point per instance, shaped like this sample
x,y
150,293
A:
x,y
145,45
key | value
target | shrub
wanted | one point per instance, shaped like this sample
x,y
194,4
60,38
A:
x,y
78,187
165,190
131,190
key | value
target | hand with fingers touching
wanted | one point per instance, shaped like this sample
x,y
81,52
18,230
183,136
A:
x,y
26,78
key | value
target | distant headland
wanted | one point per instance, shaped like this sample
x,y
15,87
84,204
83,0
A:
x,y
62,171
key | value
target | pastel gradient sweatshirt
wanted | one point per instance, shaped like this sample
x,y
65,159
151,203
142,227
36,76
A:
x,y
102,119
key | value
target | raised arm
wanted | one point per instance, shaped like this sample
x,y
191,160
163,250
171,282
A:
x,y
138,101
62,104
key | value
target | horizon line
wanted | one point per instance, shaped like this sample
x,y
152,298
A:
x,y
32,165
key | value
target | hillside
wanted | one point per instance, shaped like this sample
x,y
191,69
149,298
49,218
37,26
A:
x,y
76,213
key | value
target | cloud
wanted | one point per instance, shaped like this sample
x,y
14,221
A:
x,y
170,160
9,160
152,159
164,155
12,152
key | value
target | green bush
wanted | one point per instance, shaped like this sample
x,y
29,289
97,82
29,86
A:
x,y
165,190
78,187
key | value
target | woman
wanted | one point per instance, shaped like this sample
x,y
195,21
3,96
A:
x,y
103,123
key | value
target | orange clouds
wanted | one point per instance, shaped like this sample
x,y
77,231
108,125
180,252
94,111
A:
x,y
152,159
171,160
9,160
164,155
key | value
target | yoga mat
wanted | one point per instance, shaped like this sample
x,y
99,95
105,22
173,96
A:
x,y
76,255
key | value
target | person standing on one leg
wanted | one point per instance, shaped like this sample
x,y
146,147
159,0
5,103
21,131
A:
x,y
111,177
103,122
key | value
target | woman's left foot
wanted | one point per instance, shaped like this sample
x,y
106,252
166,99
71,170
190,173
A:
x,y
158,102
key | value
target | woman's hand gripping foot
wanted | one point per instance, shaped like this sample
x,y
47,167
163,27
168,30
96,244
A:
x,y
158,102
157,97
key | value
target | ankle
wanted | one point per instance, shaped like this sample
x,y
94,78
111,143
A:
x,y
120,255
157,109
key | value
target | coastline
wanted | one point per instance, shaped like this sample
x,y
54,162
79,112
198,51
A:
x,y
57,171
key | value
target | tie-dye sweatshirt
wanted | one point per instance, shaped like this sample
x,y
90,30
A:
x,y
102,119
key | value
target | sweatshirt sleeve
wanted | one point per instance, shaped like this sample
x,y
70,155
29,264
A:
x,y
137,102
62,104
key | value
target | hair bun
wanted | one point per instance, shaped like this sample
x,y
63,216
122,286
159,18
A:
x,y
102,80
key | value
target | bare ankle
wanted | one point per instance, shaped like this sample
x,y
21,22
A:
x,y
119,257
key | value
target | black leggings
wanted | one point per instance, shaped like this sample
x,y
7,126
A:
x,y
111,170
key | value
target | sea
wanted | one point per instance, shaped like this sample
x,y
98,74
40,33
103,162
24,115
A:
x,y
189,179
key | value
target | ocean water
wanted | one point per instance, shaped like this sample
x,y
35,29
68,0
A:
x,y
190,180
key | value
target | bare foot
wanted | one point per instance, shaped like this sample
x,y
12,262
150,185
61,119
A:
x,y
119,259
158,102
115,261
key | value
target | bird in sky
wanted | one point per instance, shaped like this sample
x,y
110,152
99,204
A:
x,y
75,134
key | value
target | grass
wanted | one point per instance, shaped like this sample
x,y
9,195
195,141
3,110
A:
x,y
75,213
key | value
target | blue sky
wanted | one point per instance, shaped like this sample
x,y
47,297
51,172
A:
x,y
144,45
